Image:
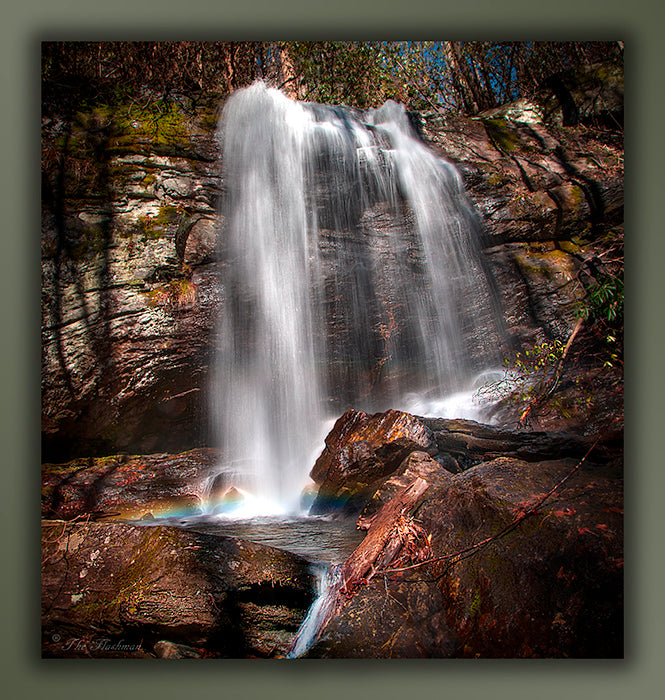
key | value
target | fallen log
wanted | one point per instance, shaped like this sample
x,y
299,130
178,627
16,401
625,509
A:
x,y
381,535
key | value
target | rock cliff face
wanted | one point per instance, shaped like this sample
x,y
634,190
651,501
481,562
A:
x,y
547,194
130,286
129,282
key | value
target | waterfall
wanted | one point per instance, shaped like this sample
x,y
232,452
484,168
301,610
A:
x,y
352,275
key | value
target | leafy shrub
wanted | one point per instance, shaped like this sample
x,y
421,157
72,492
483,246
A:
x,y
603,307
527,374
604,300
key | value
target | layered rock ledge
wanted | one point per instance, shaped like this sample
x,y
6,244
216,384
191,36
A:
x,y
129,487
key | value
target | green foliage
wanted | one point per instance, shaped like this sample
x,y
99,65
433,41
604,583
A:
x,y
540,358
526,375
355,73
159,121
604,300
603,307
475,604
78,159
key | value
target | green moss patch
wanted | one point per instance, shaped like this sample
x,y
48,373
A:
x,y
152,227
502,135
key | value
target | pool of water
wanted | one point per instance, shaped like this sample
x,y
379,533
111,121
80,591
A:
x,y
318,539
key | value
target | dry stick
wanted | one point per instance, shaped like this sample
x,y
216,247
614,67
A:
x,y
59,537
379,535
514,523
576,330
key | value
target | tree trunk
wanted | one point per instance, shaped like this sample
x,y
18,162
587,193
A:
x,y
459,77
288,79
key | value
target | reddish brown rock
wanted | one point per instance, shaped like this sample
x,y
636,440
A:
x,y
362,449
499,584
132,487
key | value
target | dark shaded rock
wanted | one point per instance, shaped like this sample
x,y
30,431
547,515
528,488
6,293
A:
x,y
550,585
553,587
471,442
589,94
129,487
538,289
416,465
533,181
362,449
125,369
395,620
112,581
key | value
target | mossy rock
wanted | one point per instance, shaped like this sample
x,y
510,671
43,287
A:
x,y
176,294
503,135
547,585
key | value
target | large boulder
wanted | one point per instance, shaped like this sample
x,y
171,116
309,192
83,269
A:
x,y
513,546
362,449
113,589
504,578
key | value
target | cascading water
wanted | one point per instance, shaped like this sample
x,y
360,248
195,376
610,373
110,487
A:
x,y
352,276
328,580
